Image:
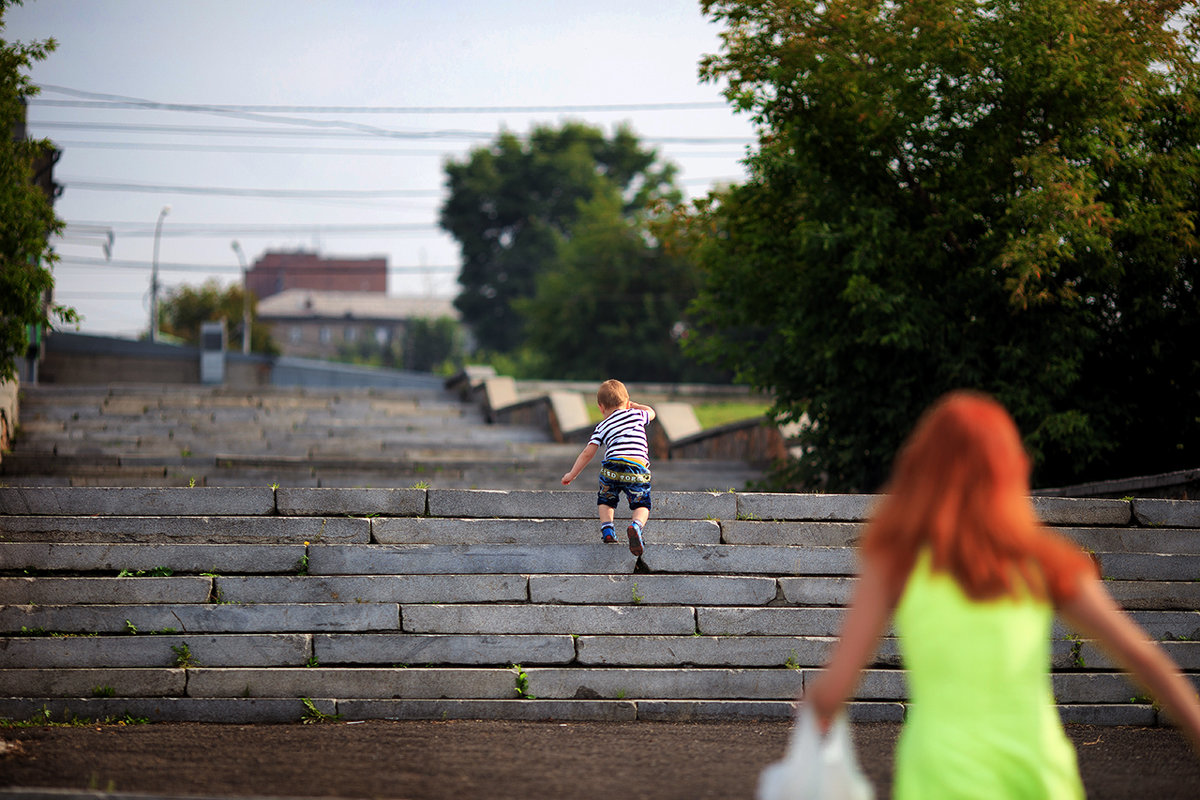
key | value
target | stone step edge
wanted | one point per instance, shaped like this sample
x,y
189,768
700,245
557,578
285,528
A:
x,y
495,683
381,650
549,588
333,710
483,503
684,621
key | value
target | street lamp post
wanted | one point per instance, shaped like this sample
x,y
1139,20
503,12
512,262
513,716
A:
x,y
154,276
237,248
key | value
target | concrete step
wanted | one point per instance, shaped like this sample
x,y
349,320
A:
x,y
475,619
623,589
1133,518
246,604
543,683
202,436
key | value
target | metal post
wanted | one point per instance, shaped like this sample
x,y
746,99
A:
x,y
154,276
237,248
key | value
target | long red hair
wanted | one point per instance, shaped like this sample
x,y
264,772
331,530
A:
x,y
960,488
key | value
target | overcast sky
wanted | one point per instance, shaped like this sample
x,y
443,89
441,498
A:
x,y
356,105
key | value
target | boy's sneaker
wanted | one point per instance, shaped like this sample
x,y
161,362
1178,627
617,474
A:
x,y
635,539
608,536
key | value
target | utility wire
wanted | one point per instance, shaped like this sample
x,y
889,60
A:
x,y
347,126
205,130
427,135
298,150
84,261
119,102
134,230
106,186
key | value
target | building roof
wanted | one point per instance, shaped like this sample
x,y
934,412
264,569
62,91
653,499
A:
x,y
301,304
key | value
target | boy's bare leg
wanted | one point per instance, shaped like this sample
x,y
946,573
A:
x,y
640,515
606,513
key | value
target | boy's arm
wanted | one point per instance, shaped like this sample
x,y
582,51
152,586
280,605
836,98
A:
x,y
580,463
649,411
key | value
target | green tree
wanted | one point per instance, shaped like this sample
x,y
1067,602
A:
x,y
185,308
511,205
615,302
999,195
429,344
27,217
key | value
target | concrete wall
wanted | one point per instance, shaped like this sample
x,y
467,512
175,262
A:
x,y
80,359
89,360
756,440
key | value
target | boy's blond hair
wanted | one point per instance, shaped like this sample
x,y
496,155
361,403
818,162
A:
x,y
612,394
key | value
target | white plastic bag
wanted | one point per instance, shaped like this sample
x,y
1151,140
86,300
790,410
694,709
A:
x,y
816,767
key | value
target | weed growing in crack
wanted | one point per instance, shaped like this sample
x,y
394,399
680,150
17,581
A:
x,y
522,684
1077,651
183,656
302,564
313,715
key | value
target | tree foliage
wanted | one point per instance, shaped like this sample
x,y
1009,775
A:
x,y
512,203
430,345
27,217
615,303
427,345
999,195
186,308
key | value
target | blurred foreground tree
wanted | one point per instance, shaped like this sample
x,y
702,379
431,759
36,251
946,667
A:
x,y
511,205
999,195
185,308
27,217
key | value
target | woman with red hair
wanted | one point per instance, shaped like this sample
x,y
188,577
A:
x,y
956,555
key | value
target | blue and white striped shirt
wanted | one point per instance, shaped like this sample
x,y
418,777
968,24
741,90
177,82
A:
x,y
622,434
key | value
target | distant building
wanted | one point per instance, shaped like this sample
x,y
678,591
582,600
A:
x,y
276,272
312,324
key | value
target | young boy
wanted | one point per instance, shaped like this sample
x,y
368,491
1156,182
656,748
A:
x,y
626,464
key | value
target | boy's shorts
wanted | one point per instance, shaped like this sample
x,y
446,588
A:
x,y
622,476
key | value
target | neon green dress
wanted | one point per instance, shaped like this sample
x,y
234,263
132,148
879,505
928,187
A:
x,y
982,721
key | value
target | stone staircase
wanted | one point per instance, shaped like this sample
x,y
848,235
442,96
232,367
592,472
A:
x,y
188,435
229,604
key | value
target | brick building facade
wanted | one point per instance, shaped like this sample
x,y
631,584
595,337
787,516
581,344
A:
x,y
276,272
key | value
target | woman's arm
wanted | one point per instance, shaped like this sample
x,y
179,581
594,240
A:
x,y
1094,613
865,620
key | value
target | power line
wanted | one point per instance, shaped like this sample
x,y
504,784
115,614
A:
x,y
349,127
135,230
118,102
63,295
172,147
106,186
208,130
362,132
84,261
153,188
252,148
